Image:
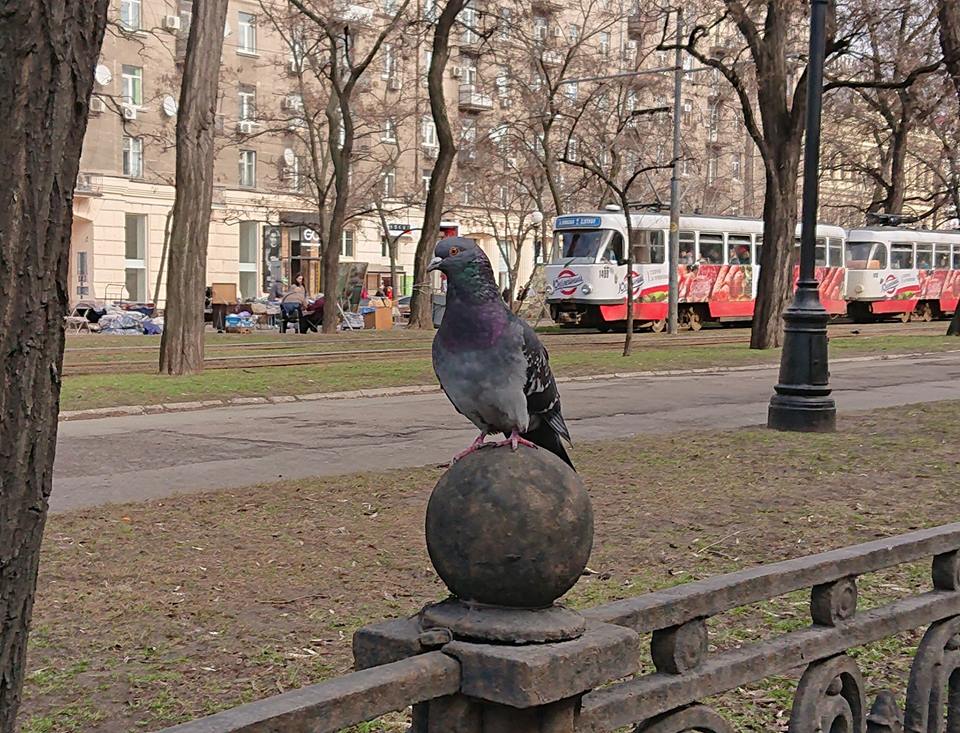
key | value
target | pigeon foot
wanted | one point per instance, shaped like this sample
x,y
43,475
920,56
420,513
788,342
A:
x,y
474,446
514,441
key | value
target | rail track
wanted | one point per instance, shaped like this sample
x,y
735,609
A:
x,y
385,349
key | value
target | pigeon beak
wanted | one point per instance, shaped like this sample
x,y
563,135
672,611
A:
x,y
434,264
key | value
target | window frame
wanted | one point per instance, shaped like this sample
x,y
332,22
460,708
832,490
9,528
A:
x,y
128,155
248,164
246,33
131,80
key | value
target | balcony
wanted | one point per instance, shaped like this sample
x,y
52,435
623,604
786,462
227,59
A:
x,y
552,58
351,14
473,100
88,184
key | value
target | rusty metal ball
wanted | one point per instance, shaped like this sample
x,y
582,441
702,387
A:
x,y
510,528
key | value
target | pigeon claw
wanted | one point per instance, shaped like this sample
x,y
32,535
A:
x,y
515,441
474,446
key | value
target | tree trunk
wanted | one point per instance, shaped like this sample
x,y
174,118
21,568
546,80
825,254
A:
x,y
341,155
420,303
181,346
48,49
775,286
949,17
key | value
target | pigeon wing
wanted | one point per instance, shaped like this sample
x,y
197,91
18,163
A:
x,y
543,399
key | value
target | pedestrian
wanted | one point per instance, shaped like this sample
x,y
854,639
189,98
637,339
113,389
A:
x,y
293,303
390,292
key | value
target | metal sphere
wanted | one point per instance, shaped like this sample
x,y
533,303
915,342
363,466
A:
x,y
510,528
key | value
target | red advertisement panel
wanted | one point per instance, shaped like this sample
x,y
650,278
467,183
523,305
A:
x,y
831,287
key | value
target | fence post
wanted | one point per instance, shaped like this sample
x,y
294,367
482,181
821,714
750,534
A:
x,y
509,532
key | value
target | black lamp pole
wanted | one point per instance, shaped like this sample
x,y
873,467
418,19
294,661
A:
x,y
802,401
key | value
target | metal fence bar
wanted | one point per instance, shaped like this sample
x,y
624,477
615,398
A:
x,y
330,706
644,697
674,606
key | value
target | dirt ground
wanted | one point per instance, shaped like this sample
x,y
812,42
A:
x,y
154,613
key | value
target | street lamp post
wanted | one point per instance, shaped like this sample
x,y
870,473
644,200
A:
x,y
802,401
673,251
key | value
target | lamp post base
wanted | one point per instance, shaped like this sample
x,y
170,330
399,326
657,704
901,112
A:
x,y
802,402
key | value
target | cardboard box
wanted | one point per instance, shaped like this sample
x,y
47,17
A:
x,y
381,319
223,294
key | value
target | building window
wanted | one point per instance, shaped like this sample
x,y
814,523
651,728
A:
x,y
135,256
291,174
504,197
571,90
468,131
574,33
389,62
430,10
425,181
684,166
686,115
541,27
247,42
714,123
604,38
248,259
736,166
505,21
389,132
130,15
346,243
248,102
468,68
133,157
390,183
248,168
573,150
468,16
503,86
467,193
132,85
428,132
711,169
389,6
427,59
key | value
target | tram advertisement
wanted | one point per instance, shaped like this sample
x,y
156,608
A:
x,y
831,287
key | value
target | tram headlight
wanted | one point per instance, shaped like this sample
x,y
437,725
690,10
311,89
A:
x,y
549,289
586,289
858,290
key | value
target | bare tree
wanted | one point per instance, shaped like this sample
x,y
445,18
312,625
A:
x,y
949,17
181,345
48,50
420,306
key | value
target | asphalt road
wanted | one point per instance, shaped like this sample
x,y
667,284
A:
x,y
151,456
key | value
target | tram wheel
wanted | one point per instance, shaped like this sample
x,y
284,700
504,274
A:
x,y
658,326
692,320
904,317
923,313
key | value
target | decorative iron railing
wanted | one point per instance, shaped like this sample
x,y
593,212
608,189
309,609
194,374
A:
x,y
457,686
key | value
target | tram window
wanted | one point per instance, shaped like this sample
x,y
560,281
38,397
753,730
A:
x,y
614,250
820,252
581,243
941,257
711,249
648,247
687,248
834,252
757,250
901,256
738,246
924,256
956,257
866,256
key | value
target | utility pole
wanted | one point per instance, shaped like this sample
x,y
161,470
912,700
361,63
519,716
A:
x,y
673,251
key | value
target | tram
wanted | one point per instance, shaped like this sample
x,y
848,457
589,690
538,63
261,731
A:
x,y
717,272
902,273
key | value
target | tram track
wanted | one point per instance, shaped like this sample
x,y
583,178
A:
x,y
556,343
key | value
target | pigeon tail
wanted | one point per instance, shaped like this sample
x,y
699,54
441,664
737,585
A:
x,y
548,439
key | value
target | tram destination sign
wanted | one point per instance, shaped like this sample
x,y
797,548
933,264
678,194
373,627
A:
x,y
576,222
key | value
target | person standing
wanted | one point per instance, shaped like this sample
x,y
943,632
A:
x,y
293,303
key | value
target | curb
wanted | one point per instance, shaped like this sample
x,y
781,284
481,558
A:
x,y
158,409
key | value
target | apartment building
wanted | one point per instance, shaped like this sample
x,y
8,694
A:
x,y
503,71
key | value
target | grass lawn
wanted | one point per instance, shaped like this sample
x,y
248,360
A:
x,y
153,613
111,389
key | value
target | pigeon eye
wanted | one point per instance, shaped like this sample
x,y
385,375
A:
x,y
454,251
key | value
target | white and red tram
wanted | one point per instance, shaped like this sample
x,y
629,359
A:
x,y
717,272
899,272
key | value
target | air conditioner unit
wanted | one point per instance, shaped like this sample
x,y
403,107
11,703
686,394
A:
x,y
291,102
431,151
245,127
393,84
172,22
129,113
97,105
456,71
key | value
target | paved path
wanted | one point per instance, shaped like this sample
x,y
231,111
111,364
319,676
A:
x,y
144,457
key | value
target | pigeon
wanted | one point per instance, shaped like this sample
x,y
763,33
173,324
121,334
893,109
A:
x,y
490,363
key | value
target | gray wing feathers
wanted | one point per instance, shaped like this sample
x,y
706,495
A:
x,y
543,399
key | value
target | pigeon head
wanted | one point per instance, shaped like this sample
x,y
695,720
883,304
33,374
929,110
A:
x,y
468,271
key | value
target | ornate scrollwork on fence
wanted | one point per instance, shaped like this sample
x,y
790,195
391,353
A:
x,y
935,670
830,697
692,719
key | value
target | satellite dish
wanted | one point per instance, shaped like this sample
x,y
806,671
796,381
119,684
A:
x,y
289,157
103,75
169,106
